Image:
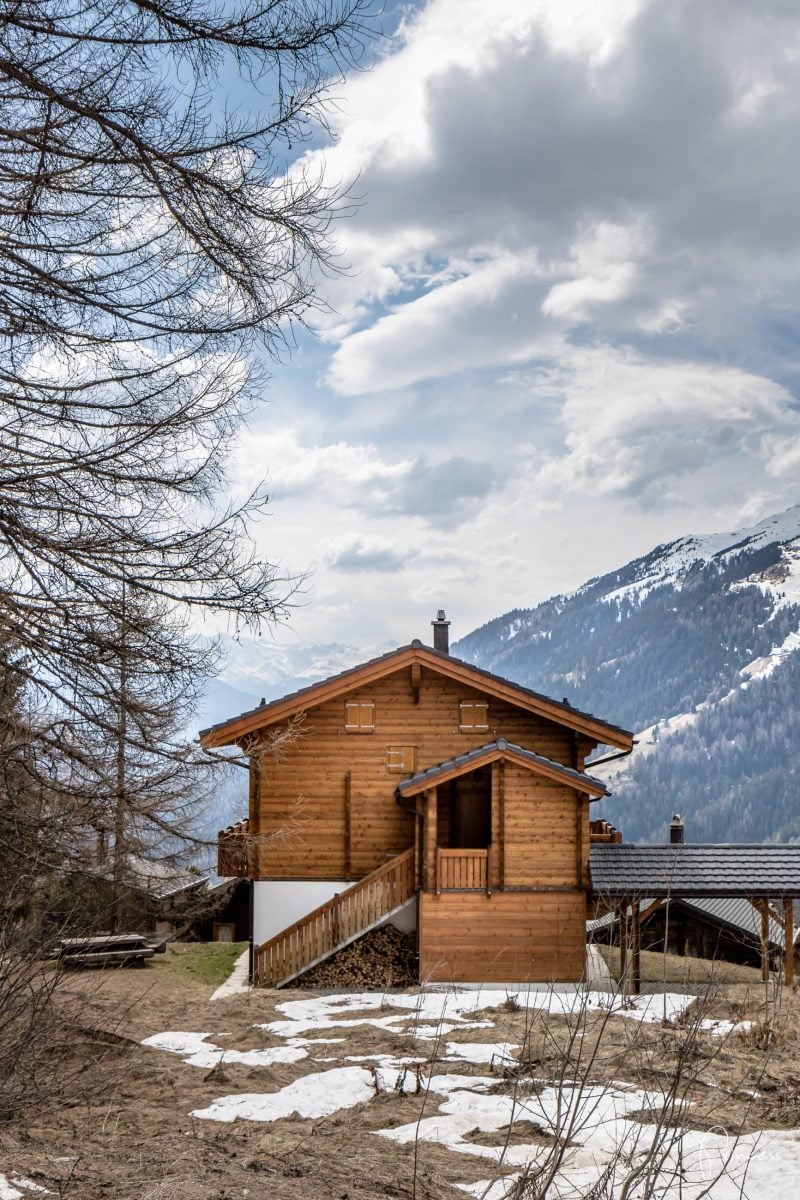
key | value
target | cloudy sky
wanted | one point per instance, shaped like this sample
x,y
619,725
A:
x,y
568,329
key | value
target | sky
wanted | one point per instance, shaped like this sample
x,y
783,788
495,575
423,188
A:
x,y
567,329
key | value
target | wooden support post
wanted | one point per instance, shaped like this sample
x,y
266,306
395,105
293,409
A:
x,y
501,800
429,841
438,871
636,947
623,941
762,907
348,835
788,941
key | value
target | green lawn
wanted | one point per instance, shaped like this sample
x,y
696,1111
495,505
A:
x,y
208,963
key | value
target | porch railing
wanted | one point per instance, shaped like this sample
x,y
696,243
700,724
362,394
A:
x,y
463,870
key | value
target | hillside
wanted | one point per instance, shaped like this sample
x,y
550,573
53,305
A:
x,y
695,647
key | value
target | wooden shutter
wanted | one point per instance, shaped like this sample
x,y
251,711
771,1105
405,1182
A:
x,y
473,716
402,759
359,716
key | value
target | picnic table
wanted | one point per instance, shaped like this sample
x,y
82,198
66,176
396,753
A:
x,y
122,949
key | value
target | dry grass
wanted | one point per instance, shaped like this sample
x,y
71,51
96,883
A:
x,y
685,972
121,1126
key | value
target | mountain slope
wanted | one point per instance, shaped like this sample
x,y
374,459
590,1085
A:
x,y
695,645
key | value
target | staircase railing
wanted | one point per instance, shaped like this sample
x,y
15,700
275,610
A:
x,y
336,922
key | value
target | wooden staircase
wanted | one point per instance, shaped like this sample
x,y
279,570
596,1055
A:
x,y
336,923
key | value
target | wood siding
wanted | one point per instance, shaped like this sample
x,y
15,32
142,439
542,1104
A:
x,y
510,937
300,801
543,832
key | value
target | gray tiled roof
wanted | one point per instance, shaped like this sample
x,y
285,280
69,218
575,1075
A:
x,y
416,644
431,774
691,871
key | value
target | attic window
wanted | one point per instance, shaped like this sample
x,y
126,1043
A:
x,y
473,716
402,759
359,716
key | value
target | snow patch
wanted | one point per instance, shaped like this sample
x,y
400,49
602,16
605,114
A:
x,y
313,1096
197,1051
16,1187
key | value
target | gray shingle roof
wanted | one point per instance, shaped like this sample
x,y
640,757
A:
x,y
429,776
690,871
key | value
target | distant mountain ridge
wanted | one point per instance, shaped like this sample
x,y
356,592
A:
x,y
696,647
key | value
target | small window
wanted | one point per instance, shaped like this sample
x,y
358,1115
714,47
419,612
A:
x,y
402,759
473,716
359,716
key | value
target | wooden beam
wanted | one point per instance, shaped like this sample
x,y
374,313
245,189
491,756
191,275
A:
x,y
761,906
348,820
623,941
636,949
788,941
430,840
501,799
416,680
651,908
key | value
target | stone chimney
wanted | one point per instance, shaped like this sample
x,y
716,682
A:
x,y
441,632
676,830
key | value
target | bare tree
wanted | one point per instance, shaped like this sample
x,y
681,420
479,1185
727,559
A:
x,y
151,238
156,244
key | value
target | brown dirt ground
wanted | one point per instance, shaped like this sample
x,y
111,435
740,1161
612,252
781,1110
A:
x,y
118,1124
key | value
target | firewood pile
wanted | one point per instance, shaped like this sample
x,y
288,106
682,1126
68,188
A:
x,y
382,958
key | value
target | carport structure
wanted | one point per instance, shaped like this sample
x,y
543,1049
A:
x,y
766,876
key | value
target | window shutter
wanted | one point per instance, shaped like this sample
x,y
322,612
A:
x,y
359,716
473,716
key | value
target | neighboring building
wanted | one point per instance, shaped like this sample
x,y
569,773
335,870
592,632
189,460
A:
x,y
421,789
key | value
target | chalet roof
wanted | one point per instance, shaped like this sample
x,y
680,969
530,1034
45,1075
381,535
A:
x,y
695,871
493,751
238,727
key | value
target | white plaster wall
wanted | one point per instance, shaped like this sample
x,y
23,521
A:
x,y
277,903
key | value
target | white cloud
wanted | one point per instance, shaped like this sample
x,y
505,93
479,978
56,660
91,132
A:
x,y
639,427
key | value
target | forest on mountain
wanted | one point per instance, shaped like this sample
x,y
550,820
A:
x,y
636,655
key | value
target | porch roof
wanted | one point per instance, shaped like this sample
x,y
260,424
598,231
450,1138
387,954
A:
x,y
695,871
494,751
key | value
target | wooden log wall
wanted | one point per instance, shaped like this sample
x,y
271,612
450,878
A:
x,y
546,832
508,937
300,804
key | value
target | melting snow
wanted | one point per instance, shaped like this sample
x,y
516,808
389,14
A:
x,y
196,1051
16,1187
313,1096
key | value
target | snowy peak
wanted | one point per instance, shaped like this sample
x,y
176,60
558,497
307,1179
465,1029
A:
x,y
670,563
695,645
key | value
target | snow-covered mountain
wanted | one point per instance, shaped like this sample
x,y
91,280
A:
x,y
696,646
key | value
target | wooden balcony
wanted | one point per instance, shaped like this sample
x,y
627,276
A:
x,y
232,850
463,870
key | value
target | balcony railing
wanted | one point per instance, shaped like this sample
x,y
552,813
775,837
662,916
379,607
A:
x,y
463,870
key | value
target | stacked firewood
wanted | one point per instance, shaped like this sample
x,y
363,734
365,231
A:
x,y
382,958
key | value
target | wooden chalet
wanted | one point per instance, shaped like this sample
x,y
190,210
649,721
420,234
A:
x,y
420,789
